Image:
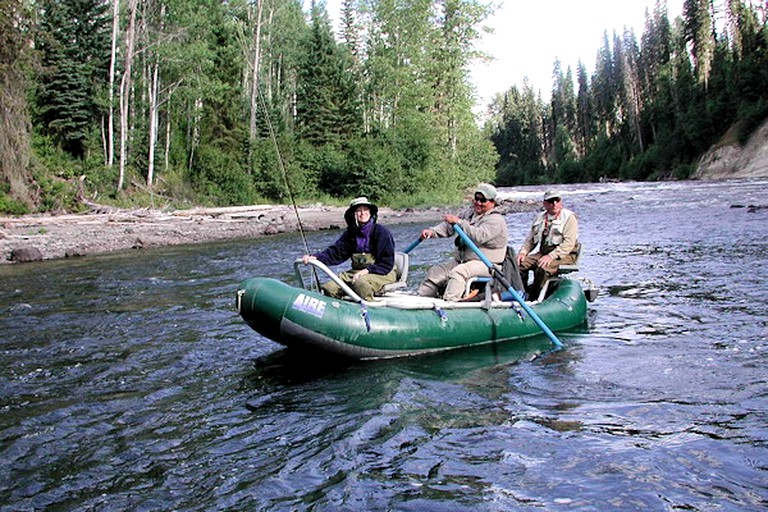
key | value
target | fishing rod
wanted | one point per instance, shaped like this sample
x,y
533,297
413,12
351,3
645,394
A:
x,y
281,164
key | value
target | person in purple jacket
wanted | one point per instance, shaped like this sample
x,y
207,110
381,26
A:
x,y
368,244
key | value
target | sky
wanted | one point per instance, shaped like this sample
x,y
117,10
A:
x,y
528,35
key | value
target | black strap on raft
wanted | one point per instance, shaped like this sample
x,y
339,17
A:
x,y
440,313
364,314
518,310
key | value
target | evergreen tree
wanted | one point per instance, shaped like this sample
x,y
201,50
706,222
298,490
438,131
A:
x,y
74,43
562,123
655,54
517,134
584,112
699,32
326,107
749,42
465,157
604,88
632,90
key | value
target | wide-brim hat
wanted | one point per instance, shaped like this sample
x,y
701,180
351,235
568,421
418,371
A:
x,y
488,191
360,201
552,194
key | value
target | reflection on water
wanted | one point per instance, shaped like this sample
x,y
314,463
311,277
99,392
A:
x,y
129,383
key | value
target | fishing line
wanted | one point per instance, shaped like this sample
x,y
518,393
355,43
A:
x,y
283,171
281,164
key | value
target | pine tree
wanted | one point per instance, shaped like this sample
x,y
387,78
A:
x,y
699,32
604,87
326,109
74,43
584,112
518,136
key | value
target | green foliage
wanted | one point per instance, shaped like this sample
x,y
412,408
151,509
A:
x,y
385,166
291,173
64,173
327,110
220,180
74,45
516,132
387,113
325,166
57,195
374,170
650,110
54,159
417,152
752,116
9,205
476,159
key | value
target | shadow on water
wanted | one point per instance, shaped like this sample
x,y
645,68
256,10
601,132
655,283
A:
x,y
288,367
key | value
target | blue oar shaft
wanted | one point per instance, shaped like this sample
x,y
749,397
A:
x,y
546,330
412,246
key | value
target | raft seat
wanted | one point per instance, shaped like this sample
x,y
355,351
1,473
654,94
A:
x,y
561,271
402,262
573,267
567,269
475,282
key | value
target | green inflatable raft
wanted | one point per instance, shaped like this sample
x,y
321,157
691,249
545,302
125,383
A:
x,y
399,324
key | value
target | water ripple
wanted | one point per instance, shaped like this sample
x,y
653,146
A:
x,y
131,384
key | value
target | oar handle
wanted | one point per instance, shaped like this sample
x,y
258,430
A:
x,y
492,269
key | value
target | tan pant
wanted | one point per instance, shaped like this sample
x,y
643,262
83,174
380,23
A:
x,y
540,274
452,277
365,286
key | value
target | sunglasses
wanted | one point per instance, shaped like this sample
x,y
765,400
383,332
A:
x,y
552,201
480,199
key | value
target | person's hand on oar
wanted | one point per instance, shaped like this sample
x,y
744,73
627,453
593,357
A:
x,y
486,226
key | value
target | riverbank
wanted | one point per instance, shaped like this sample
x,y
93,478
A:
x,y
44,237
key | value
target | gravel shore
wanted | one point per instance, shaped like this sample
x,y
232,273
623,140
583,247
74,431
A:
x,y
44,237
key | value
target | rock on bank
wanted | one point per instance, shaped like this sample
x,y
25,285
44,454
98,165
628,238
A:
x,y
44,237
36,237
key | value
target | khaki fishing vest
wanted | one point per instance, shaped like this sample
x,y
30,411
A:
x,y
555,228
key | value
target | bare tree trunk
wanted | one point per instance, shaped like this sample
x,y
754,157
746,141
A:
x,y
167,151
153,110
195,137
153,121
270,23
112,65
255,63
125,89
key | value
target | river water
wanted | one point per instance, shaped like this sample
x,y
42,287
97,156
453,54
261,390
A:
x,y
129,383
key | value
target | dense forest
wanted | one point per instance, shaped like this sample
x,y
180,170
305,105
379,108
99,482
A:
x,y
173,102
651,108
